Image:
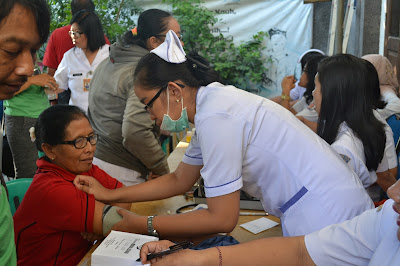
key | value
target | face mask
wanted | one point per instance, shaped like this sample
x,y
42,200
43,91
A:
x,y
179,125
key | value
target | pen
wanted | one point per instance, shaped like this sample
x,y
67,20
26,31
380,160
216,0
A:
x,y
171,249
254,213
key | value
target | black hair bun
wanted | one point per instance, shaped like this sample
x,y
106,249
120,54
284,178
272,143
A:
x,y
194,57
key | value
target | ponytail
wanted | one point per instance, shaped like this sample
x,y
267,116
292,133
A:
x,y
151,22
201,70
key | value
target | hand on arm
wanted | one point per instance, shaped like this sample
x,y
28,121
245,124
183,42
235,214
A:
x,y
220,217
163,187
271,251
51,71
40,80
90,185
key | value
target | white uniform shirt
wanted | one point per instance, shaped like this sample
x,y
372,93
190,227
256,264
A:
x,y
368,239
390,150
351,149
300,105
75,73
297,92
309,114
246,141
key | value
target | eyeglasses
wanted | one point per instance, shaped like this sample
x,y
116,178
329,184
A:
x,y
150,103
81,142
77,34
180,37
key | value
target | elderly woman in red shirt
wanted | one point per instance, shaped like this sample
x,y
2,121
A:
x,y
56,222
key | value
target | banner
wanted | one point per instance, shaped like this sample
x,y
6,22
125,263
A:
x,y
288,22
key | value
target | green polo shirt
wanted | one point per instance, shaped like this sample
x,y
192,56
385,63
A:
x,y
8,255
29,103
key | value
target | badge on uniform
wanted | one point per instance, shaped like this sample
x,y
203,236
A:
x,y
86,83
346,158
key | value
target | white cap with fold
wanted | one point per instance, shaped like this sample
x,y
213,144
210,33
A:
x,y
171,49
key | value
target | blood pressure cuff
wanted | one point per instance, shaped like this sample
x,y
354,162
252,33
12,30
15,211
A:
x,y
110,217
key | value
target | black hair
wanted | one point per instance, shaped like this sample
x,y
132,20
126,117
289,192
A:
x,y
89,24
307,57
40,11
151,22
153,72
311,70
346,97
77,5
52,123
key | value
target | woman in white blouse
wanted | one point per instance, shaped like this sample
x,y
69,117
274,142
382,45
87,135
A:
x,y
78,64
346,94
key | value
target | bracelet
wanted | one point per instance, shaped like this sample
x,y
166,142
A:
x,y
220,256
285,97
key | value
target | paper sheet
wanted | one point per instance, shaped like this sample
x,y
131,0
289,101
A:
x,y
259,225
120,248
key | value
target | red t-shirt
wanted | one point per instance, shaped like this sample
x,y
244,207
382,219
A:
x,y
59,43
52,214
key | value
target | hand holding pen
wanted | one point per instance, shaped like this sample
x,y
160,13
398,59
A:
x,y
153,250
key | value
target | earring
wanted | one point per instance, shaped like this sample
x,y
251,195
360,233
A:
x,y
52,158
177,101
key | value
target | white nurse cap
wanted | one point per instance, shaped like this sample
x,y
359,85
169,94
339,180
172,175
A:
x,y
309,51
171,49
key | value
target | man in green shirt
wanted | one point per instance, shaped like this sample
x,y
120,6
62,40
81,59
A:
x,y
24,27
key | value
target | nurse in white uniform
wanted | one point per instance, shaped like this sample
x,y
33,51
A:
x,y
348,121
78,64
242,141
371,238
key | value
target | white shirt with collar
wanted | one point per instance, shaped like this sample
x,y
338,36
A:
x,y
246,141
351,149
368,239
75,70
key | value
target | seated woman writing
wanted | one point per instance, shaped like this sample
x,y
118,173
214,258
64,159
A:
x,y
54,216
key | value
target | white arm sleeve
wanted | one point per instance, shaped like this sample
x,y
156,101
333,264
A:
x,y
61,75
352,242
300,105
223,141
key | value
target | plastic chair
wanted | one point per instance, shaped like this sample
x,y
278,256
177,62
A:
x,y
16,191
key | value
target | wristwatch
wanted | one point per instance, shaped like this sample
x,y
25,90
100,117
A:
x,y
150,229
285,97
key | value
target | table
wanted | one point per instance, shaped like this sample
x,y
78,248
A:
x,y
176,155
170,205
